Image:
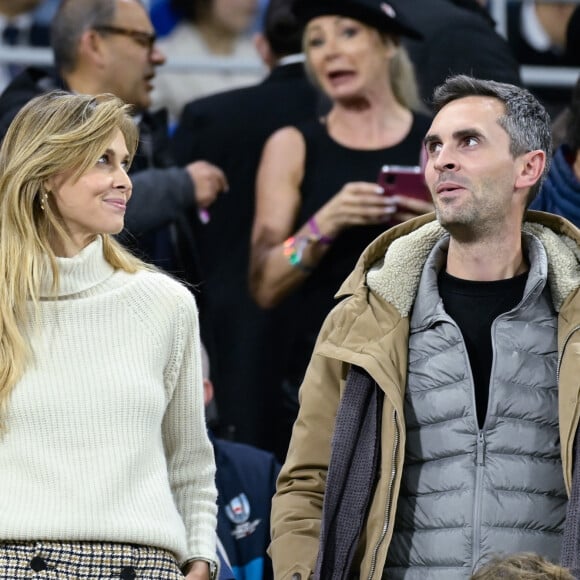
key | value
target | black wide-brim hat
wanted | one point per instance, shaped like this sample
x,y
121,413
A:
x,y
375,13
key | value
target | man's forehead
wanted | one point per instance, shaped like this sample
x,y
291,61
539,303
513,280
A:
x,y
476,105
131,9
468,112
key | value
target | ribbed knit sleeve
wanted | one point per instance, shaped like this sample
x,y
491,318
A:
x,y
189,453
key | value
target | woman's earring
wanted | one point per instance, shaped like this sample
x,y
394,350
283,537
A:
x,y
43,199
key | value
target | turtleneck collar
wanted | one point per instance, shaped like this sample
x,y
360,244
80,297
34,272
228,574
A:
x,y
79,273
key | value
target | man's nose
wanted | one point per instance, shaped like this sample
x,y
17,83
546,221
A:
x,y
445,160
157,56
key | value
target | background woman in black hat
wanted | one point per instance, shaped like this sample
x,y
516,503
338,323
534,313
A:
x,y
318,203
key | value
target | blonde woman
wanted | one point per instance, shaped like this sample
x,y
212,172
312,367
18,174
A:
x,y
317,200
107,471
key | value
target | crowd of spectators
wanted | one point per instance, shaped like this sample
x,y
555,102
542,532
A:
x,y
245,180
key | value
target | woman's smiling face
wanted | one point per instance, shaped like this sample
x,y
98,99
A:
x,y
95,202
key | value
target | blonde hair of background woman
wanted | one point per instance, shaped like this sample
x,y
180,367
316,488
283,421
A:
x,y
404,81
54,133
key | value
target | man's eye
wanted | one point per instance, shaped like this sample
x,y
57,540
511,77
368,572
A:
x,y
471,141
433,147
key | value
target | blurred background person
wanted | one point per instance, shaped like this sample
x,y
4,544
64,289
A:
x,y
229,129
107,469
246,482
545,33
165,19
560,193
207,28
108,46
317,200
23,23
459,37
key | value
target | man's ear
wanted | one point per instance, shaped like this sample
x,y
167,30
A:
x,y
531,168
91,48
264,50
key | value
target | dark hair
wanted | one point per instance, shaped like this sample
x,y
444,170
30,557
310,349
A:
x,y
281,28
526,121
189,9
573,130
71,20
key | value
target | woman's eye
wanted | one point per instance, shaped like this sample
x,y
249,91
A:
x,y
313,42
350,31
103,159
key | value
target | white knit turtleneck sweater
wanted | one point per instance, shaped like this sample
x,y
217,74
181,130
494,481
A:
x,y
106,436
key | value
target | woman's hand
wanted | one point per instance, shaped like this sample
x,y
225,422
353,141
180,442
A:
x,y
198,570
357,203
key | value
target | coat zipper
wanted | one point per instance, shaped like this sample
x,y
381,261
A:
x,y
561,353
389,499
479,468
560,357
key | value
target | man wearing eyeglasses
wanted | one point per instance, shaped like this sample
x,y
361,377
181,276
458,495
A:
x,y
108,46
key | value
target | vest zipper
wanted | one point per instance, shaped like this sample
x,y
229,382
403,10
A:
x,y
480,465
389,498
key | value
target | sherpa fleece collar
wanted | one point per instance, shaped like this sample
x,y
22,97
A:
x,y
395,276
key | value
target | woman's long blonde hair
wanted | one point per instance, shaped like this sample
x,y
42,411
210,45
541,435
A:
x,y
54,133
404,81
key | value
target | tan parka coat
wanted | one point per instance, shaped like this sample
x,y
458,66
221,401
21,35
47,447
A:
x,y
370,328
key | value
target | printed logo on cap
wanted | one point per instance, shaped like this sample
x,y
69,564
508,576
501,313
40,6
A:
x,y
388,10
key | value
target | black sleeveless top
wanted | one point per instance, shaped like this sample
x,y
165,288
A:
x,y
328,166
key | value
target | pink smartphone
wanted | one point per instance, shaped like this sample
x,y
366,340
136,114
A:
x,y
405,180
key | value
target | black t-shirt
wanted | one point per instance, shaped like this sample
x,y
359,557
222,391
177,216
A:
x,y
474,306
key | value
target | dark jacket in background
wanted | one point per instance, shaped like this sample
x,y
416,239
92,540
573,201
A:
x,y
246,482
560,193
157,225
230,129
456,40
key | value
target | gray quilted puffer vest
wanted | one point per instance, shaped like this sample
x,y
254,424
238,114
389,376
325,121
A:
x,y
467,494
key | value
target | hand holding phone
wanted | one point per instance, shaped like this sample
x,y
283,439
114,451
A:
x,y
404,180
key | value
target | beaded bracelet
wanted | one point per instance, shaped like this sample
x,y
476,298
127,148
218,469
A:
x,y
293,249
318,236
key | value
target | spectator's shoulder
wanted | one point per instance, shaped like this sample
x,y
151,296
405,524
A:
x,y
30,83
244,454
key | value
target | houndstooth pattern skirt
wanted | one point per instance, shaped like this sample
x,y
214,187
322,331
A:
x,y
85,561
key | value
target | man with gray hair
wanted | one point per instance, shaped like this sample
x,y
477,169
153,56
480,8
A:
x,y
108,46
439,410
